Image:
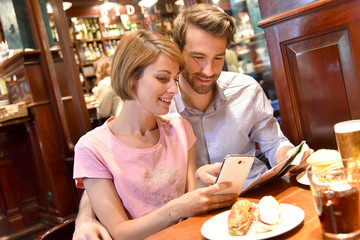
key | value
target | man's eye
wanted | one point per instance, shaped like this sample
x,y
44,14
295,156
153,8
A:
x,y
219,58
198,58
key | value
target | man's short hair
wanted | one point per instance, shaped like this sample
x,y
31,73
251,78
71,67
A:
x,y
207,17
136,51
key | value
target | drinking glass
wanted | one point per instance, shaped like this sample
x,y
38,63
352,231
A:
x,y
336,197
348,139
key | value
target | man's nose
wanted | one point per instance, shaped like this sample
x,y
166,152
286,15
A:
x,y
208,68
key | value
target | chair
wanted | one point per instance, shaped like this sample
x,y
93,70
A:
x,y
63,231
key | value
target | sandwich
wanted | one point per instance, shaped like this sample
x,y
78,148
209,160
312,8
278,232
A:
x,y
267,214
241,217
324,159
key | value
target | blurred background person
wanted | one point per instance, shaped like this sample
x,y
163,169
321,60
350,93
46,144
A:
x,y
109,104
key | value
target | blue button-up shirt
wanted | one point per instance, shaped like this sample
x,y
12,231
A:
x,y
240,116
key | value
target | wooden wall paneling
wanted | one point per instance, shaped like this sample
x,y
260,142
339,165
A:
x,y
317,75
55,196
9,184
270,7
316,68
18,207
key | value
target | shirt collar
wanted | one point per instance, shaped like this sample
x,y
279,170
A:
x,y
181,106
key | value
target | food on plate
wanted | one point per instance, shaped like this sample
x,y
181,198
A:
x,y
324,159
267,214
240,217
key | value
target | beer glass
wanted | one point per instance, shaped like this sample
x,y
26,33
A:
x,y
336,197
348,139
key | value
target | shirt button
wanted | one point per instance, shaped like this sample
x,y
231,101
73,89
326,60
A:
x,y
210,144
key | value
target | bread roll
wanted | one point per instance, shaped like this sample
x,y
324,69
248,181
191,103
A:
x,y
324,159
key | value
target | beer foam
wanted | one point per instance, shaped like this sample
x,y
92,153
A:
x,y
349,126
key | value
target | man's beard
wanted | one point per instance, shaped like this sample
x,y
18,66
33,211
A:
x,y
192,82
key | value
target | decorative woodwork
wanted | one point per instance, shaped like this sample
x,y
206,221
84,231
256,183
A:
x,y
36,152
315,59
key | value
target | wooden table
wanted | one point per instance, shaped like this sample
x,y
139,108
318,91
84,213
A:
x,y
285,190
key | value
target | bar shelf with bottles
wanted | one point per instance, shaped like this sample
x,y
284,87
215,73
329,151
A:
x,y
93,39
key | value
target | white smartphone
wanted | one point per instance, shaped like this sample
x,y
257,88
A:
x,y
234,169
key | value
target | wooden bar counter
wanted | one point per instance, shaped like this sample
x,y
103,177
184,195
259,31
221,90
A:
x,y
285,190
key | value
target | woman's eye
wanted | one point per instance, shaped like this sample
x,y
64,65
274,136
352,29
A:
x,y
162,79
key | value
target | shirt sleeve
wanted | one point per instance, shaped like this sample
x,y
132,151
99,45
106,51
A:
x,y
88,164
266,130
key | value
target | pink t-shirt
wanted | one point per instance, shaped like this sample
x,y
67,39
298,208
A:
x,y
145,179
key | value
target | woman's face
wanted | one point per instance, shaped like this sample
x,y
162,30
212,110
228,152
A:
x,y
156,87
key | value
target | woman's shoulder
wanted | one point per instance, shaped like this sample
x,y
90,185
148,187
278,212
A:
x,y
93,137
173,119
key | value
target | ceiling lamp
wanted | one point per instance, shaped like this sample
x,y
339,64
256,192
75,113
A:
x,y
147,3
66,6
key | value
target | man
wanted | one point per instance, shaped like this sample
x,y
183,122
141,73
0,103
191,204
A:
x,y
229,112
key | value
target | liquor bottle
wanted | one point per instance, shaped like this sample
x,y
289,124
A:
x,y
88,28
97,50
101,49
97,27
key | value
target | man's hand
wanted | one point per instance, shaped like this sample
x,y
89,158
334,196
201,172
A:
x,y
303,164
90,229
206,175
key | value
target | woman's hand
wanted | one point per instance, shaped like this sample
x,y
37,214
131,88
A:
x,y
201,200
206,175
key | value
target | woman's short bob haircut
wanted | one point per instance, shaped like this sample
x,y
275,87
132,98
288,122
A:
x,y
134,53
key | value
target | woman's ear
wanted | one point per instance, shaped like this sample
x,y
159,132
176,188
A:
x,y
133,88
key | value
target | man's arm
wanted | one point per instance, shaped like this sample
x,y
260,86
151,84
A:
x,y
86,225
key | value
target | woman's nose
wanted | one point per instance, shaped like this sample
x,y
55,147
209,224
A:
x,y
173,88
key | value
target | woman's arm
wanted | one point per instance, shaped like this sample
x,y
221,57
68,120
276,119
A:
x,y
191,170
109,209
86,224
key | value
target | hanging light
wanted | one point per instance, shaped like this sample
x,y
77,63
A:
x,y
66,6
147,3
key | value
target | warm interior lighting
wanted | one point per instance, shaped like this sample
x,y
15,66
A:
x,y
179,2
66,6
106,7
147,3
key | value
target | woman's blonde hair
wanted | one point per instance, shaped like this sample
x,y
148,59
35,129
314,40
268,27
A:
x,y
206,17
102,68
134,53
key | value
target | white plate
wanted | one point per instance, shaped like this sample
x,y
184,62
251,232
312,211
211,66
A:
x,y
303,178
216,227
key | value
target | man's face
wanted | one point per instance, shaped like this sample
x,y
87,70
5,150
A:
x,y
204,59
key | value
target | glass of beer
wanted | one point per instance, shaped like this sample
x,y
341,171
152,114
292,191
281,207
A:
x,y
336,197
348,139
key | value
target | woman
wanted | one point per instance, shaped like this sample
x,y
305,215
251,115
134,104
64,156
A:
x,y
109,104
139,168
